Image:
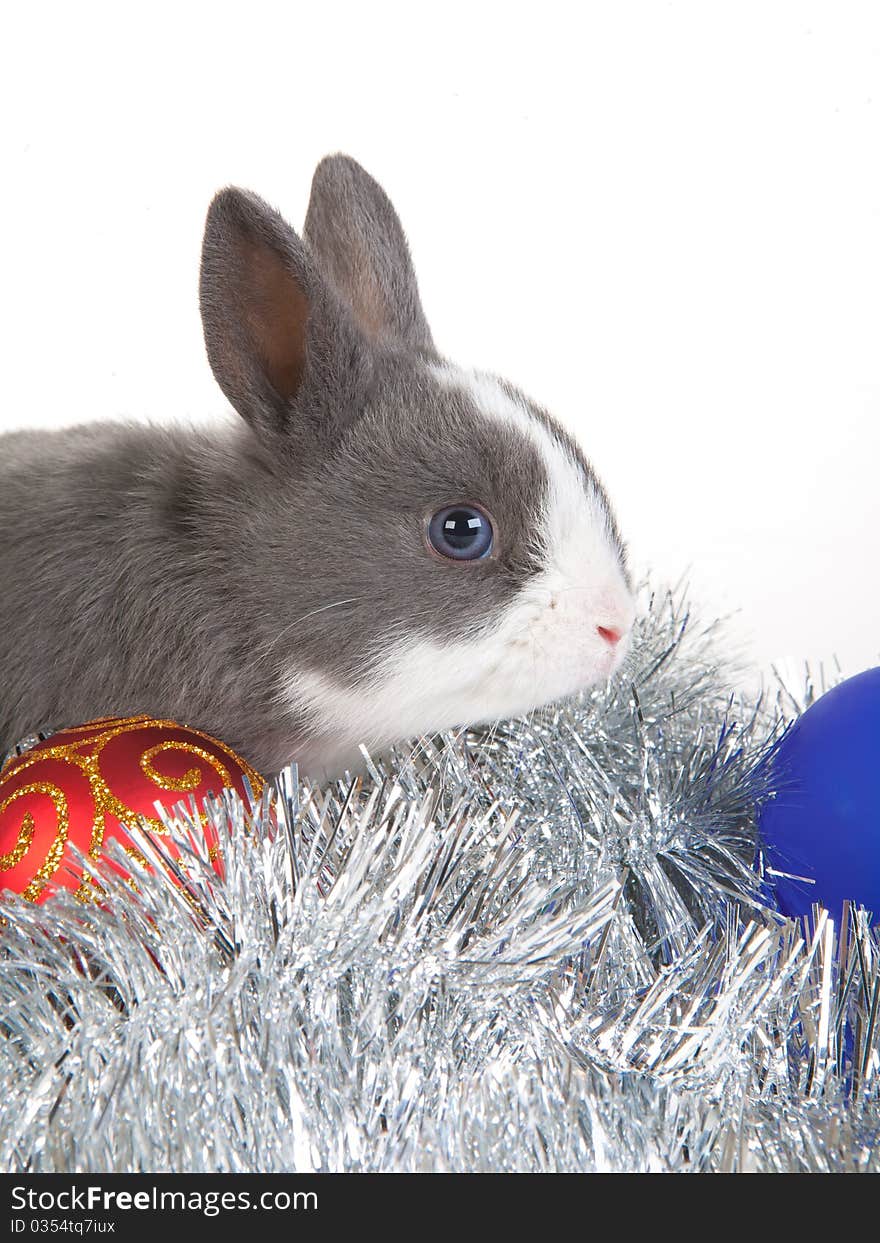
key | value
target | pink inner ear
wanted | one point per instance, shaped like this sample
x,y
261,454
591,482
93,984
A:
x,y
276,310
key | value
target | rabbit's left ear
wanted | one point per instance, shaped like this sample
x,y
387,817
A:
x,y
355,233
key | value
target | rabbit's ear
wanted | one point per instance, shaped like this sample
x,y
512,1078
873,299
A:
x,y
281,347
353,229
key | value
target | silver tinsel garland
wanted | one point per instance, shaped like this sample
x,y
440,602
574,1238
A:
x,y
542,946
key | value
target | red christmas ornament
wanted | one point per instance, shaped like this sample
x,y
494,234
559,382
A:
x,y
89,784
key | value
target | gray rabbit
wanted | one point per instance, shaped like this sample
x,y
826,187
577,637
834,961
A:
x,y
385,545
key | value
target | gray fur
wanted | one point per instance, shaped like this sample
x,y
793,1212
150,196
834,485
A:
x,y
354,231
181,572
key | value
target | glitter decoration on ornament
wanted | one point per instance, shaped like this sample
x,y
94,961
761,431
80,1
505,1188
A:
x,y
100,778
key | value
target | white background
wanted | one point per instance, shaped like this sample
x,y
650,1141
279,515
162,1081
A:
x,y
661,219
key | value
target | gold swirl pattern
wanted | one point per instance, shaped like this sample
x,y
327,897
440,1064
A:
x,y
52,861
81,748
192,778
25,834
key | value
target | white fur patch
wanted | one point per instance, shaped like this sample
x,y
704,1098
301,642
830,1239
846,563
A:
x,y
545,646
575,522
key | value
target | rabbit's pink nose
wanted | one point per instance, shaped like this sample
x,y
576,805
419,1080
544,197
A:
x,y
610,634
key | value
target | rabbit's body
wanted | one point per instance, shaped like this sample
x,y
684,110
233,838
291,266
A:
x,y
125,546
283,583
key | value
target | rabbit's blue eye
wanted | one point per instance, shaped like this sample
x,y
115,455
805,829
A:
x,y
461,532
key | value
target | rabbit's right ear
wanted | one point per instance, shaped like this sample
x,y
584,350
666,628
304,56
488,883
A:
x,y
282,349
356,234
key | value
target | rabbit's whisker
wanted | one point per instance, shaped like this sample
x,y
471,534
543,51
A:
x,y
323,609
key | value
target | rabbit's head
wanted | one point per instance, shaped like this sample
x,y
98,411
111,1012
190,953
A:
x,y
436,550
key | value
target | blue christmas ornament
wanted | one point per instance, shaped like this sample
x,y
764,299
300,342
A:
x,y
823,822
